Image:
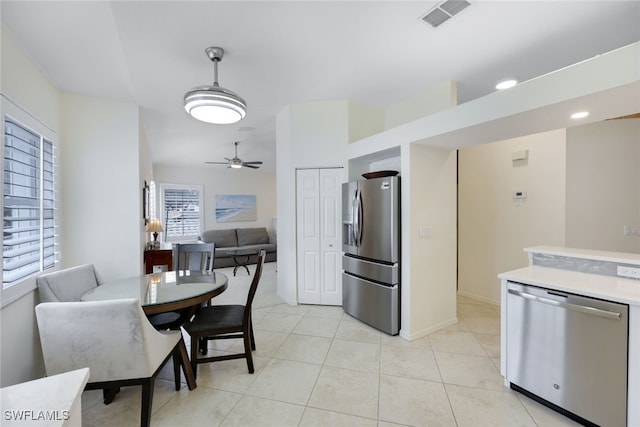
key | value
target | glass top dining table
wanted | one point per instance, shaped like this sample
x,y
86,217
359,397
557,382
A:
x,y
163,292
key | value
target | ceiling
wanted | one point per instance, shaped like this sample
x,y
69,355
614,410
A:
x,y
278,53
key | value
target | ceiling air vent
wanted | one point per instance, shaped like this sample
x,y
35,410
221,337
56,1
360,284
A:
x,y
444,11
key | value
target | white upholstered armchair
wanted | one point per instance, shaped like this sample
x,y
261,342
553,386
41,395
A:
x,y
115,341
68,284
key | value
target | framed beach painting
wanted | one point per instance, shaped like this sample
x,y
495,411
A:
x,y
235,207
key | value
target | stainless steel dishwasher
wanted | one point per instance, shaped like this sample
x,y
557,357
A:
x,y
569,352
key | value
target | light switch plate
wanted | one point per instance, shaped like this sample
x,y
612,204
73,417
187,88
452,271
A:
x,y
632,230
424,232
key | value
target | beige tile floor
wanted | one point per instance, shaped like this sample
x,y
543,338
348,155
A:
x,y
316,366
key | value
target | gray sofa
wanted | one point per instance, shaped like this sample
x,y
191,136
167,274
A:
x,y
228,240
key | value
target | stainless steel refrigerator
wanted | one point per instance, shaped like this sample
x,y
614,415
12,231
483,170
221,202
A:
x,y
371,245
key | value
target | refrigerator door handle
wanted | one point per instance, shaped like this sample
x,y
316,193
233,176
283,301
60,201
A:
x,y
360,217
356,218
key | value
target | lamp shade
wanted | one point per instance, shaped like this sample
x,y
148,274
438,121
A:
x,y
155,226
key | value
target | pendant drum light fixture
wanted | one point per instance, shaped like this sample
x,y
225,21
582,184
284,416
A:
x,y
214,104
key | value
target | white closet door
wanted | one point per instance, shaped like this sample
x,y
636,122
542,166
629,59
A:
x,y
308,235
330,237
318,204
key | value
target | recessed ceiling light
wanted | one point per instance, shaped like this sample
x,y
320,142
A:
x,y
506,84
580,115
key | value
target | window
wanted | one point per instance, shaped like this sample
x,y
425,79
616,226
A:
x,y
152,200
28,241
181,211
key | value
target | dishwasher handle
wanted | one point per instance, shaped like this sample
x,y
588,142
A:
x,y
581,308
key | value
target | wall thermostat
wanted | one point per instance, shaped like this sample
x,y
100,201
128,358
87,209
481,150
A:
x,y
520,155
519,194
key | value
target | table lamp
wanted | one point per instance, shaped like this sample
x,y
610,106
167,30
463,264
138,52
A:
x,y
155,227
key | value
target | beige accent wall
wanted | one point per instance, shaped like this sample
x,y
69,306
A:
x,y
603,185
218,179
428,282
364,120
493,228
23,82
437,98
583,187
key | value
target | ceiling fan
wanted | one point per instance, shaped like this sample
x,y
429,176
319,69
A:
x,y
236,162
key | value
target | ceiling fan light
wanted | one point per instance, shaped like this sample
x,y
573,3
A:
x,y
213,104
237,163
215,114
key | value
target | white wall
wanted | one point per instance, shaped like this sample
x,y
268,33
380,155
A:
x,y
102,206
307,136
145,174
20,351
221,180
285,187
23,83
492,228
100,198
603,185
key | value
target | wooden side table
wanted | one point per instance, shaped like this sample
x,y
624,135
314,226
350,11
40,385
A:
x,y
159,257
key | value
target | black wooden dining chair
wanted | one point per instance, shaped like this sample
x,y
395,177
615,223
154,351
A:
x,y
225,322
191,257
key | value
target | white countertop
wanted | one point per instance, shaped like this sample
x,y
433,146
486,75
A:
x,y
619,257
610,288
46,402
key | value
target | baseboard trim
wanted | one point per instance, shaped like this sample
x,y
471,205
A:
x,y
424,332
478,298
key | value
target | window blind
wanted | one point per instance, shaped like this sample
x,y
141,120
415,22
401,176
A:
x,y
182,212
29,214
